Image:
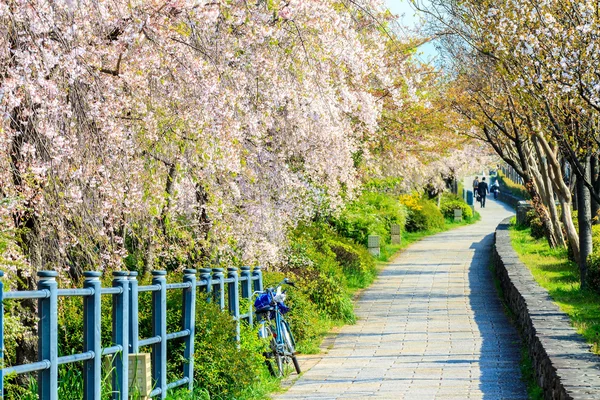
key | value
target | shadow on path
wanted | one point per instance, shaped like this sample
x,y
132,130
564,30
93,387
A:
x,y
500,345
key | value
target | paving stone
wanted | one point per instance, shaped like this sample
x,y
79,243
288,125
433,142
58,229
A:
x,y
430,327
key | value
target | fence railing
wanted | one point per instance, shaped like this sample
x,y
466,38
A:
x,y
125,326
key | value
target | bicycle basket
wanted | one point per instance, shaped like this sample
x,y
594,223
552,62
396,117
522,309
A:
x,y
262,301
283,308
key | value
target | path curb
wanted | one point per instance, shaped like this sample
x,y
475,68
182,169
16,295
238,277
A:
x,y
563,363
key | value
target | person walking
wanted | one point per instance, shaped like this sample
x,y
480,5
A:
x,y
475,186
483,191
495,189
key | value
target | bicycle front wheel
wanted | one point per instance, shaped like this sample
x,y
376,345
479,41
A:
x,y
290,350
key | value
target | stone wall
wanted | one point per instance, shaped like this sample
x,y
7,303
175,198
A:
x,y
564,365
509,199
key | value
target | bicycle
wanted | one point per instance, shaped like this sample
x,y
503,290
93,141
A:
x,y
269,308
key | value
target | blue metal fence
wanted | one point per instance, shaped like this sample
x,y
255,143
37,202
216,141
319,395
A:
x,y
125,325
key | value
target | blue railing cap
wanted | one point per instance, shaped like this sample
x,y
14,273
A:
x,y
133,273
92,274
257,268
189,271
1,274
47,274
120,273
217,269
232,269
245,268
159,272
205,270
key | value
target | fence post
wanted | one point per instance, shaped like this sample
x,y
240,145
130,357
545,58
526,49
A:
x,y
218,275
48,336
189,323
1,335
120,336
134,334
206,277
257,277
247,291
92,373
159,328
234,299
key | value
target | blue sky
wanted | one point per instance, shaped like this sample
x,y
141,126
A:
x,y
411,18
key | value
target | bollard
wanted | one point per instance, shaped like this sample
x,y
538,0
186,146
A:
x,y
189,323
220,295
159,328
247,291
234,299
470,200
457,215
92,335
120,336
395,233
373,245
48,336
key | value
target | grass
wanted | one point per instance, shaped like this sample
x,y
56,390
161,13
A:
x,y
552,269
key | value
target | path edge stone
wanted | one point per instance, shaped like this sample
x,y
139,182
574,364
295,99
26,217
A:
x,y
564,366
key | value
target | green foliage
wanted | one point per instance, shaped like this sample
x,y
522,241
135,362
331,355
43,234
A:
x,y
371,214
220,367
593,272
425,217
449,204
533,221
324,276
326,291
515,189
357,263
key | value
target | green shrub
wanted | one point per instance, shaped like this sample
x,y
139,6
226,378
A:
x,y
535,223
515,189
424,217
358,265
447,208
323,277
371,214
329,295
220,367
593,272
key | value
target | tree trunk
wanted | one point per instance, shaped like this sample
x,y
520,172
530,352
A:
x,y
574,191
541,211
204,223
596,183
584,218
548,192
572,234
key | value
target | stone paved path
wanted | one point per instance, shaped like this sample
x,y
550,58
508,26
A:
x,y
431,327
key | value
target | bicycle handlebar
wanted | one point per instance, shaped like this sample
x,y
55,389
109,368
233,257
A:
x,y
284,281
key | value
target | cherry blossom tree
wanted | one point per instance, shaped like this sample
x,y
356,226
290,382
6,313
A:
x,y
544,55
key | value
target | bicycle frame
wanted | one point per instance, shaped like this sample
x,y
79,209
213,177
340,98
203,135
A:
x,y
282,343
279,320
